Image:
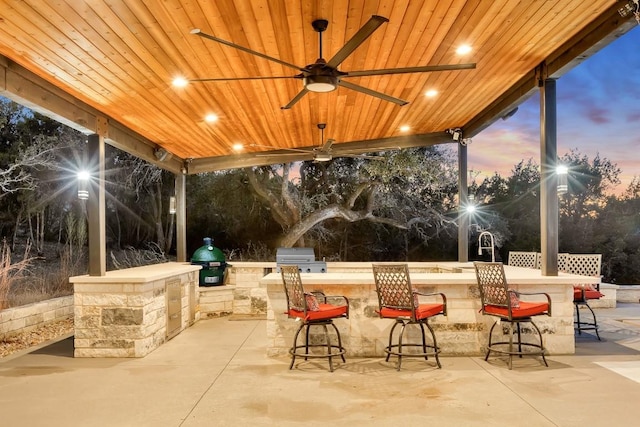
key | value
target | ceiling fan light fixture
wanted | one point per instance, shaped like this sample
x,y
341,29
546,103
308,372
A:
x,y
322,157
315,83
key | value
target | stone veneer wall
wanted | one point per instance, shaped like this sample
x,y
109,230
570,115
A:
x,y
242,295
464,331
16,320
127,316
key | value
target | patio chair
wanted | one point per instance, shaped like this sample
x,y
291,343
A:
x,y
523,259
505,304
312,309
397,300
585,265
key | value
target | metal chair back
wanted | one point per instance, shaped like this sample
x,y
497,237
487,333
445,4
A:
x,y
492,284
562,261
584,264
293,288
523,259
393,286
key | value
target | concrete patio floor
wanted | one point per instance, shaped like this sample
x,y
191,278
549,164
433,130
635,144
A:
x,y
216,374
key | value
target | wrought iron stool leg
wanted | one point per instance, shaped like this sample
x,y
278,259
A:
x,y
541,344
400,344
435,344
595,322
328,342
489,346
510,345
578,322
519,340
424,342
295,343
390,347
339,341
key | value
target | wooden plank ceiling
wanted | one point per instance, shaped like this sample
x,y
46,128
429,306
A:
x,y
120,57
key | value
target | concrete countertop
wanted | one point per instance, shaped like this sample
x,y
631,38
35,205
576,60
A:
x,y
515,275
144,274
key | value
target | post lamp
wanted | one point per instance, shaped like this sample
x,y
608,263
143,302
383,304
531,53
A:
x,y
172,205
83,185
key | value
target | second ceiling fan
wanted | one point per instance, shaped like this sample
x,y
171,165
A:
x,y
322,153
324,76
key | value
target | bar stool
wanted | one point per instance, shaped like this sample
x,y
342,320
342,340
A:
x,y
312,309
504,303
397,300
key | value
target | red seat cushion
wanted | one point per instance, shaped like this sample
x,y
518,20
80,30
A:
x,y
589,293
422,311
526,309
325,311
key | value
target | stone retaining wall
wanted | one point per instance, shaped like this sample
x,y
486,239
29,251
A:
x,y
28,317
628,293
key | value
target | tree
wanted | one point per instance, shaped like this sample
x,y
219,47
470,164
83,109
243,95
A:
x,y
34,171
148,188
410,190
510,208
588,183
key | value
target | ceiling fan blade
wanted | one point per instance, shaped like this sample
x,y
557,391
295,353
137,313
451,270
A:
x,y
198,32
363,33
423,69
372,93
226,79
283,154
327,145
297,98
278,152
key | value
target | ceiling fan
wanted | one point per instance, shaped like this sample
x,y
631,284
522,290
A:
x,y
321,153
323,76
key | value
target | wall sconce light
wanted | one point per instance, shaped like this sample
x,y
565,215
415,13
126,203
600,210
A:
x,y
471,206
83,185
562,172
172,205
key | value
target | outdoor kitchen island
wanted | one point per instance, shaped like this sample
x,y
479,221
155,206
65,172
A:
x,y
463,331
131,312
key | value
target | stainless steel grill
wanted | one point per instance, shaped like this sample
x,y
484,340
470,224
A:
x,y
304,258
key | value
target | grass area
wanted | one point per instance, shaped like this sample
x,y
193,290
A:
x,y
25,279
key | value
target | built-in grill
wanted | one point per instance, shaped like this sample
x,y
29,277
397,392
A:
x,y
304,258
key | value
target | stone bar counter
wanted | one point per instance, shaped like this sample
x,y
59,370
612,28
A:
x,y
464,331
131,312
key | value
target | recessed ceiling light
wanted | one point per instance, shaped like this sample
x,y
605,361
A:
x,y
405,128
238,147
180,82
431,93
211,118
463,49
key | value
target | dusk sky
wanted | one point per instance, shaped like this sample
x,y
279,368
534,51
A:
x,y
598,106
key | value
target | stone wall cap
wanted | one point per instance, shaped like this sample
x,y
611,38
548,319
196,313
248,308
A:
x,y
143,274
